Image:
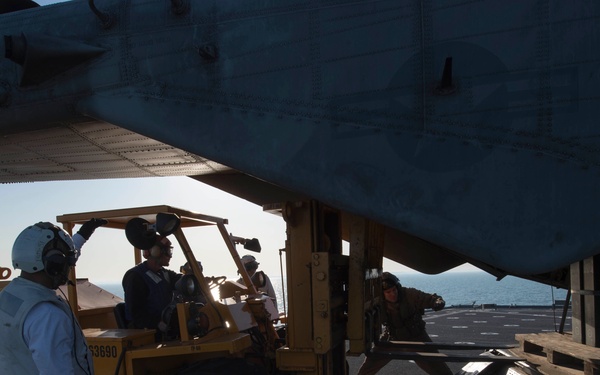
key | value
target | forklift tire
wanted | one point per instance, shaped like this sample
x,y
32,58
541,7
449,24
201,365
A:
x,y
223,366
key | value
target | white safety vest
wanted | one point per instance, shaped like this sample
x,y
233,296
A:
x,y
15,356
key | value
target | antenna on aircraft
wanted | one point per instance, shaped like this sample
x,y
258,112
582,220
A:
x,y
446,86
105,17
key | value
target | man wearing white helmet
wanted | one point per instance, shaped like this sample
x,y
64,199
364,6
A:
x,y
260,280
40,334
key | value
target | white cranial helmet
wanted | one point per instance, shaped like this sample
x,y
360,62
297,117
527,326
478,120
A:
x,y
249,262
37,242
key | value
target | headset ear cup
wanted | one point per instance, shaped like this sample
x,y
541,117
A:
x,y
155,251
55,262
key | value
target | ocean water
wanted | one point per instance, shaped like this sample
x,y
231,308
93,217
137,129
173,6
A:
x,y
476,288
457,288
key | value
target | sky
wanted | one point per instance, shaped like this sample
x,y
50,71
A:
x,y
108,254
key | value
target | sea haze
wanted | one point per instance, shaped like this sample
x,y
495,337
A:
x,y
457,288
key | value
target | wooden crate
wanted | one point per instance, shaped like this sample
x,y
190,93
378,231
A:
x,y
556,353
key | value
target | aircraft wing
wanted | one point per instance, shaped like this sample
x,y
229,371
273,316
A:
x,y
466,129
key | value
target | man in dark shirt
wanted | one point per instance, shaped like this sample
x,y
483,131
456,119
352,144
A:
x,y
403,321
149,288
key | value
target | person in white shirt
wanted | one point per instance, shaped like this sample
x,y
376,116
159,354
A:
x,y
40,334
260,280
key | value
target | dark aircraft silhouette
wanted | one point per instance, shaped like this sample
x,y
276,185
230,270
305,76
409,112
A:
x,y
468,129
7,6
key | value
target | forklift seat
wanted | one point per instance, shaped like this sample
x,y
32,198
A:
x,y
120,315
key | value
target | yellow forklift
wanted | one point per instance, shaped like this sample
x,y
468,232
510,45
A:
x,y
212,337
332,299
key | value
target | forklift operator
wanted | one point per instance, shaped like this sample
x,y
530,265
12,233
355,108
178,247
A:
x,y
149,287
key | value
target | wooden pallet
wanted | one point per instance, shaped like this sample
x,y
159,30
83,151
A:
x,y
415,350
556,353
443,357
424,346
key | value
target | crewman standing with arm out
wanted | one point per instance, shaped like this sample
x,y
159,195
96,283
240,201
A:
x,y
39,332
403,321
